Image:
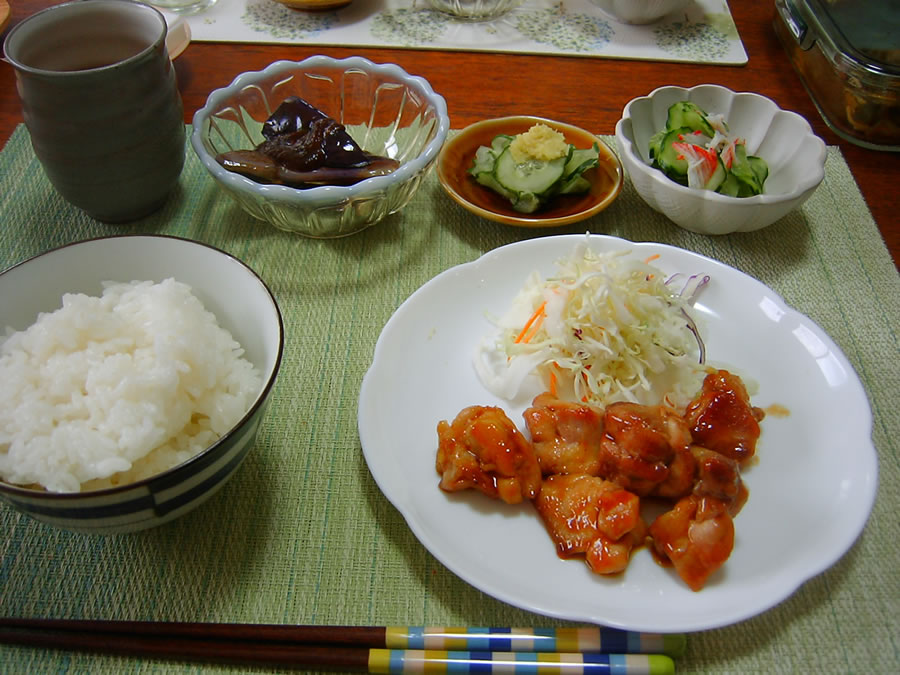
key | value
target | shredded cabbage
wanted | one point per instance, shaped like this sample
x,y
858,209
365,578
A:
x,y
609,327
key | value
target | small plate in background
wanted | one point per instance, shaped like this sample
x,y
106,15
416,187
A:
x,y
459,151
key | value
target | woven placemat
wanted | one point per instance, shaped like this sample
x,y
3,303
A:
x,y
303,535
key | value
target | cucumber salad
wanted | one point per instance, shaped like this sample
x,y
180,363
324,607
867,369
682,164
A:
x,y
697,150
531,168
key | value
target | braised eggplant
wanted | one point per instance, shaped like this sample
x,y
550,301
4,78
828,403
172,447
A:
x,y
303,147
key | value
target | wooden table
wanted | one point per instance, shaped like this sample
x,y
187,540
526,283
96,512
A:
x,y
588,92
303,533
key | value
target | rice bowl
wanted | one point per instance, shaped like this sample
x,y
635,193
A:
x,y
199,399
106,390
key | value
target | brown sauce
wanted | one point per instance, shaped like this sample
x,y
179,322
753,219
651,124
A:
x,y
777,410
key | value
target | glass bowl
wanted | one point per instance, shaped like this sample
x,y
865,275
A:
x,y
387,112
474,10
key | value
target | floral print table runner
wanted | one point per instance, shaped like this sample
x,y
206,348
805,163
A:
x,y
702,32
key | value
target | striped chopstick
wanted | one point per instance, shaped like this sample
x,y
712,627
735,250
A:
x,y
589,639
390,649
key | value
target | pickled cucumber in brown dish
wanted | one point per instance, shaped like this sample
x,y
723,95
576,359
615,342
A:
x,y
305,148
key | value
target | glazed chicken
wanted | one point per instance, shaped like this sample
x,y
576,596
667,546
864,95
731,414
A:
x,y
482,449
719,476
587,470
589,516
639,444
608,556
721,417
566,436
682,476
696,536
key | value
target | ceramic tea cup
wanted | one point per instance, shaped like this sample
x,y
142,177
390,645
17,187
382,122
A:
x,y
101,103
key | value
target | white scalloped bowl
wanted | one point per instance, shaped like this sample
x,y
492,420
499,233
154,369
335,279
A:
x,y
794,154
639,11
386,110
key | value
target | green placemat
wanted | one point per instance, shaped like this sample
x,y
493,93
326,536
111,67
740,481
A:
x,y
303,535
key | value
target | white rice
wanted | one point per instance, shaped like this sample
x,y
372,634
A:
x,y
112,389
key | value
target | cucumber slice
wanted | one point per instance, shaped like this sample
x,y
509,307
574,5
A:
x,y
690,115
534,176
487,179
730,187
483,162
669,159
580,161
526,202
574,185
656,143
718,176
500,143
760,169
744,173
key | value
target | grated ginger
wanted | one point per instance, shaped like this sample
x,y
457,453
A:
x,y
539,142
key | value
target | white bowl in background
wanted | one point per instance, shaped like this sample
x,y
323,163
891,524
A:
x,y
639,11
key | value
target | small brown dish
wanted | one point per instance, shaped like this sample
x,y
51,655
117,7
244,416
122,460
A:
x,y
458,154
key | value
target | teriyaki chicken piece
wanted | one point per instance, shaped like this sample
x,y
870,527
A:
x,y
590,516
696,537
483,450
640,442
566,436
721,418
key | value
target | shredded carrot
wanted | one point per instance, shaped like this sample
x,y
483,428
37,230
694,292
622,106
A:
x,y
537,318
534,328
651,258
553,382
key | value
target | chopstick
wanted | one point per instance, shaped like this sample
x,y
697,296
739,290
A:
x,y
376,649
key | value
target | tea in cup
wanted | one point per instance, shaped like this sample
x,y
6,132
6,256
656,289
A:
x,y
101,103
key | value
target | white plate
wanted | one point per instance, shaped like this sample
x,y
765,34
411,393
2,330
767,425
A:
x,y
811,490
